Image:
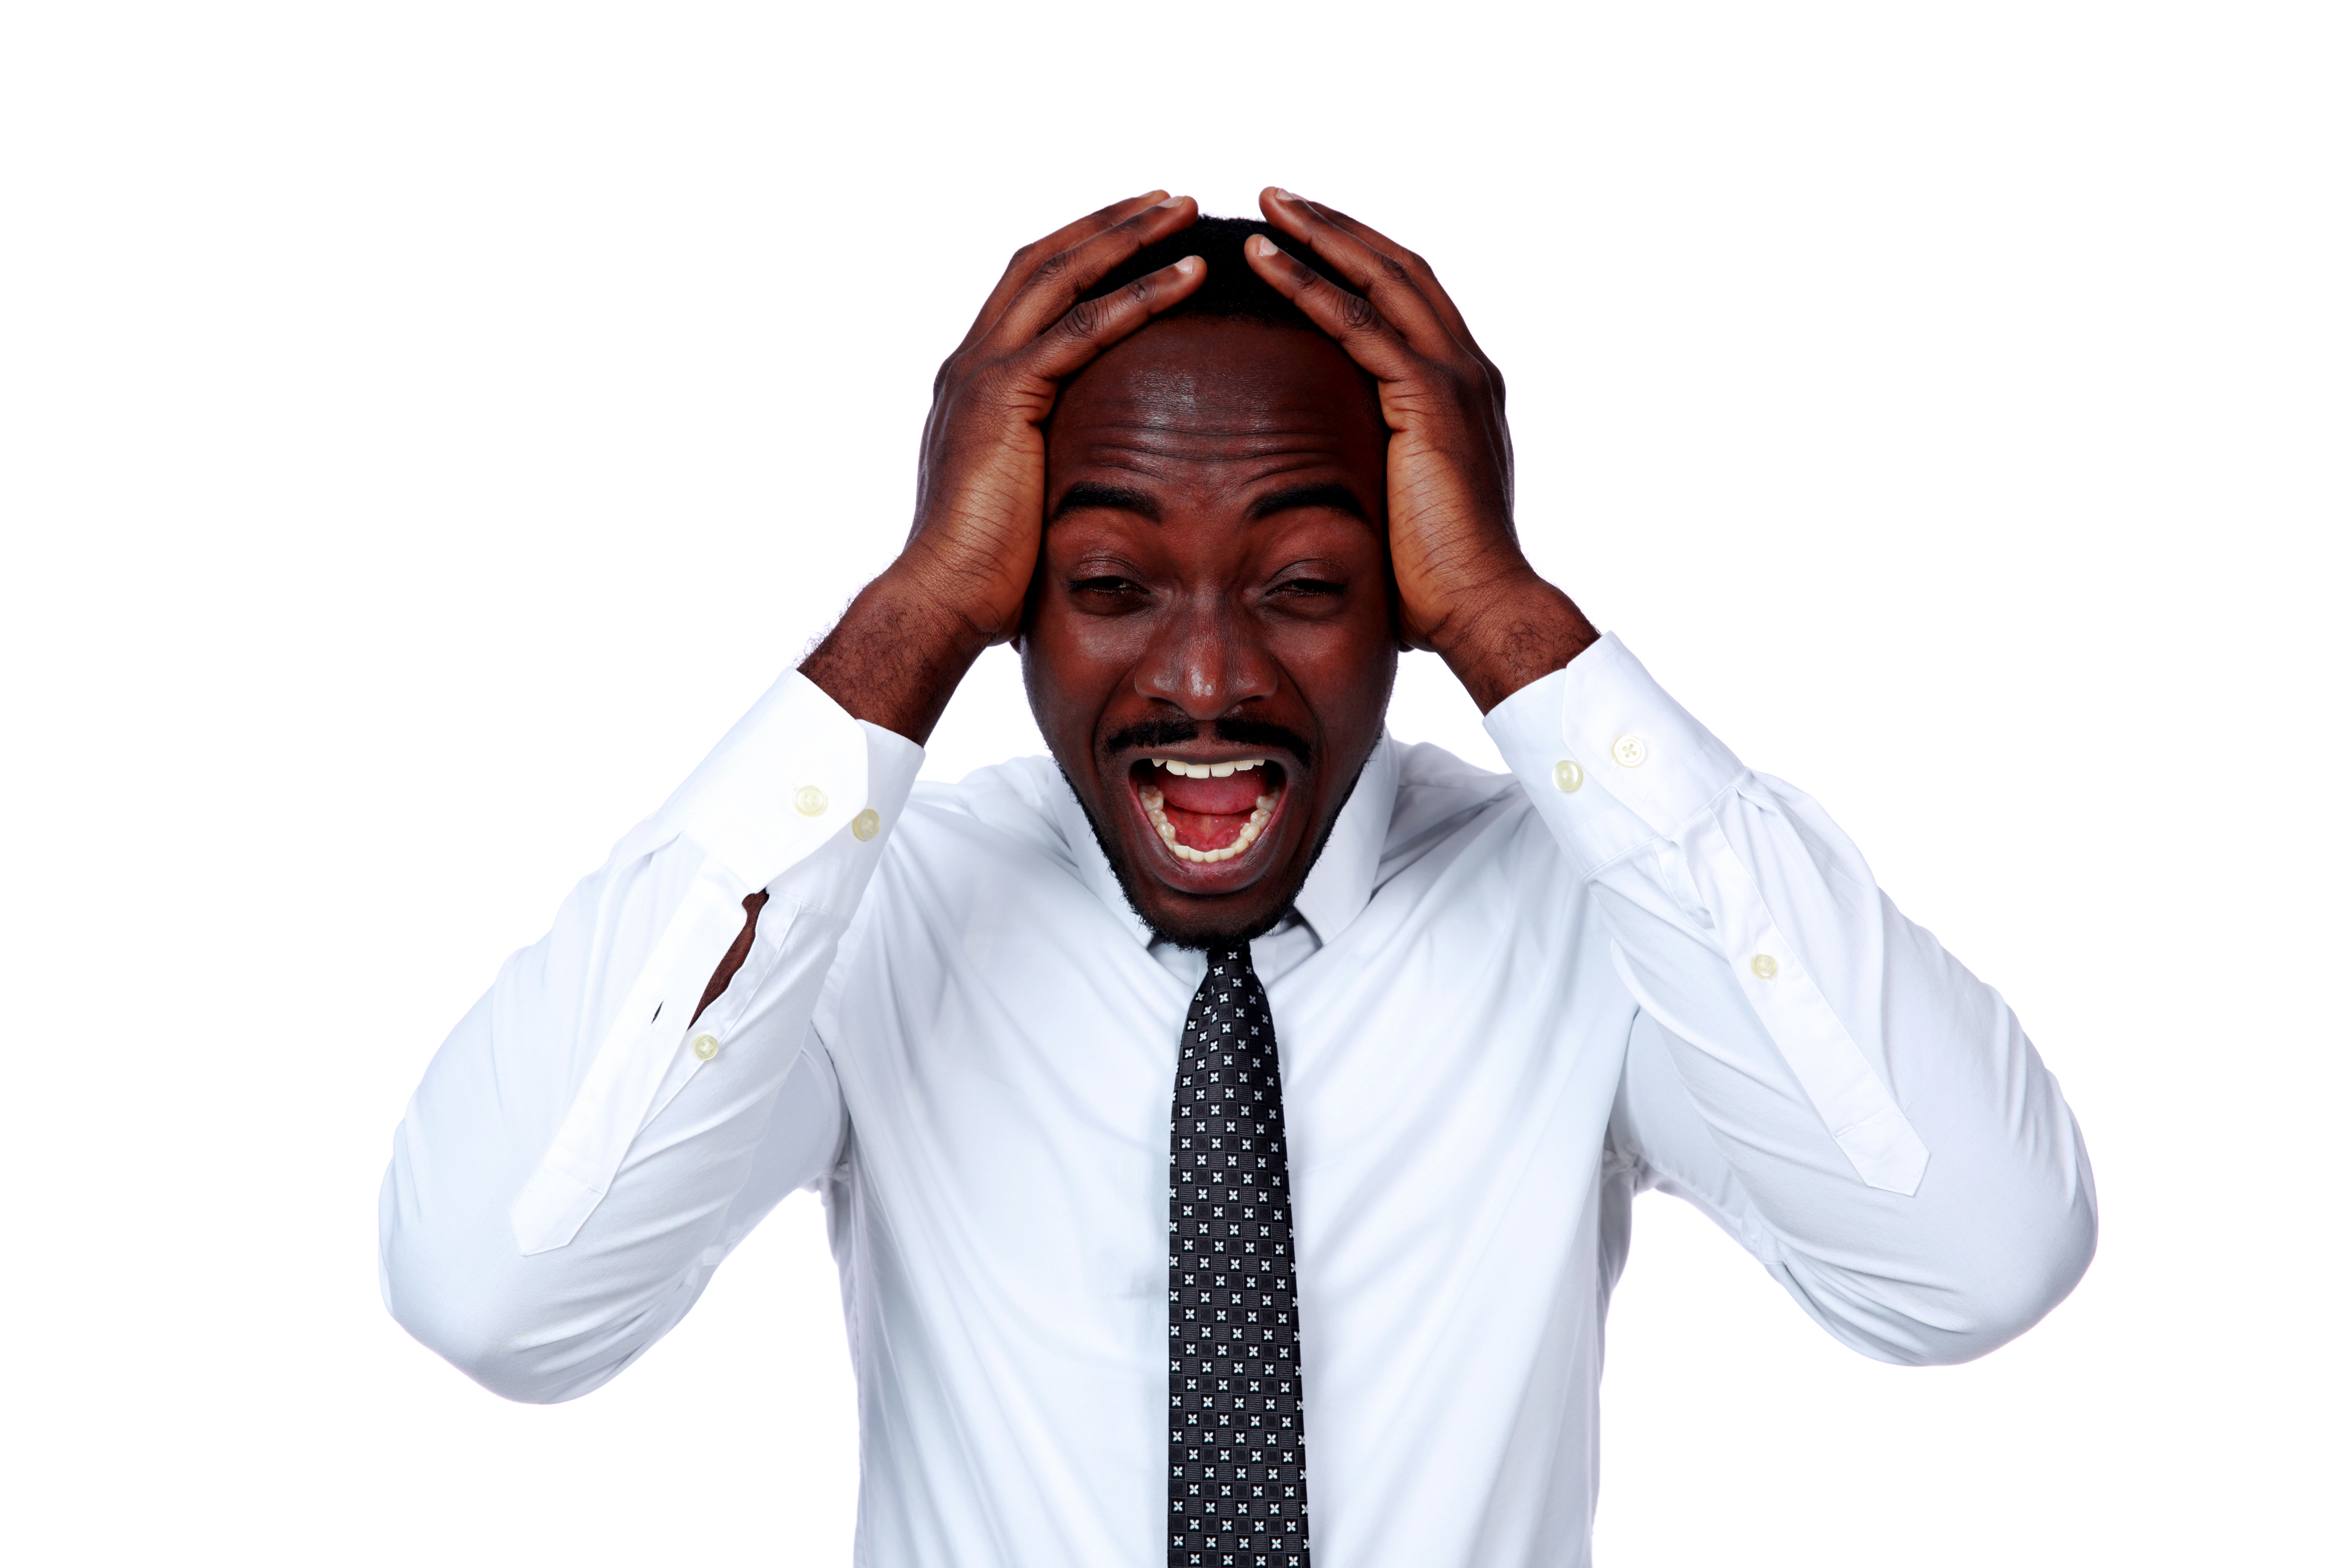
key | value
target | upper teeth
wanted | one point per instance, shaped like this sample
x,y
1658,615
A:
x,y
1185,770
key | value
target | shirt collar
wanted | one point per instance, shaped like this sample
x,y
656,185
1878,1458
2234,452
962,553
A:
x,y
1337,890
1341,883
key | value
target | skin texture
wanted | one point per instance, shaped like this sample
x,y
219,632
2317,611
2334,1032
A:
x,y
1183,618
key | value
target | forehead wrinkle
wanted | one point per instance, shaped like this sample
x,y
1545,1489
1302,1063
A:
x,y
1185,447
1270,427
1251,472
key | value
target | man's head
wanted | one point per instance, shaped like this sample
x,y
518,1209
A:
x,y
1213,589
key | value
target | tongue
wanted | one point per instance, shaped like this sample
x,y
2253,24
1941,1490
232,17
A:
x,y
1234,797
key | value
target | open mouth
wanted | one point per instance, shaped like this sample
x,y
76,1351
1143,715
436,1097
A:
x,y
1207,812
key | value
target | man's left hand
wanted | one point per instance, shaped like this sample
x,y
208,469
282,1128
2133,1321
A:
x,y
1466,589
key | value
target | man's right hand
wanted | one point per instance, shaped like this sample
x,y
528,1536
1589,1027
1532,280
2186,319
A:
x,y
980,505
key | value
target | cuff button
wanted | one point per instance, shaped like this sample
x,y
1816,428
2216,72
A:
x,y
867,823
705,1047
1764,966
1568,777
809,800
1630,752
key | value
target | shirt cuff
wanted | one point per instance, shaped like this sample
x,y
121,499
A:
x,y
1609,758
793,773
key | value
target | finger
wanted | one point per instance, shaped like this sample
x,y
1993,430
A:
x,y
1091,326
1350,320
1026,260
1423,275
1380,278
1054,287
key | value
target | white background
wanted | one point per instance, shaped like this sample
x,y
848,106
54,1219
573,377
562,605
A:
x,y
424,427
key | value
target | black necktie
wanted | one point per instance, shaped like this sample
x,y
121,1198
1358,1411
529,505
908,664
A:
x,y
1237,1439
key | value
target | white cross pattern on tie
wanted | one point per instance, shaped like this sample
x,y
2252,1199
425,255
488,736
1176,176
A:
x,y
1236,1435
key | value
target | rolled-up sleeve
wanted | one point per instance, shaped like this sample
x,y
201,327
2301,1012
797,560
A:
x,y
584,1150
1808,1066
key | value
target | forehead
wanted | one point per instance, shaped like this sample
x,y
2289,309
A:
x,y
1197,403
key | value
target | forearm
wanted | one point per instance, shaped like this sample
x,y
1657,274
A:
x,y
1813,1069
586,1144
539,1322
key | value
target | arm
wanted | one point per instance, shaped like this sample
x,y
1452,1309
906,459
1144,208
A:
x,y
1808,1067
593,1138
640,1087
1864,1114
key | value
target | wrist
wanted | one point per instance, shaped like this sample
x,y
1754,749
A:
x,y
896,655
1511,635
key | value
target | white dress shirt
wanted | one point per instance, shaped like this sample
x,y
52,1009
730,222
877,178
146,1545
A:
x,y
1507,1002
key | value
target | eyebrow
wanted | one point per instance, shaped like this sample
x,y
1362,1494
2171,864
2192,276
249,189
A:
x,y
1329,494
1108,498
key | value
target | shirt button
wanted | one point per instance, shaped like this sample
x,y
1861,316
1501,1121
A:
x,y
1630,752
809,800
1764,966
867,823
1568,777
706,1046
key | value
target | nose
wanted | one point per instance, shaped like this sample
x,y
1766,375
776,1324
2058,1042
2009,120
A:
x,y
1206,659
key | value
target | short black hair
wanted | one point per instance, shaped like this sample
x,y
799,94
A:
x,y
1234,291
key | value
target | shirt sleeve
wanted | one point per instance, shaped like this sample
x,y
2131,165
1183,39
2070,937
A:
x,y
1808,1066
584,1151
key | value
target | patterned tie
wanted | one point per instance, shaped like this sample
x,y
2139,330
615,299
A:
x,y
1236,1442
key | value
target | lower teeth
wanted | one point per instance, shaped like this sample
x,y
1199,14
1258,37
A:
x,y
1154,807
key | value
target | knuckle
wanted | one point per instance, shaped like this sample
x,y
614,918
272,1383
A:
x,y
1084,319
1055,265
1356,313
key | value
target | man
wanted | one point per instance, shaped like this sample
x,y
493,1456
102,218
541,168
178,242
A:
x,y
1059,1043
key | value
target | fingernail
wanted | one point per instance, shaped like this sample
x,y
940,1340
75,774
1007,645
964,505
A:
x,y
1281,194
1173,201
1260,245
1189,266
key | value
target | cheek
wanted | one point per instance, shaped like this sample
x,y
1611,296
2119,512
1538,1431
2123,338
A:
x,y
1071,664
1092,650
1353,639
1343,669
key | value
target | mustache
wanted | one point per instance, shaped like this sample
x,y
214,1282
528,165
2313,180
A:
x,y
1156,733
